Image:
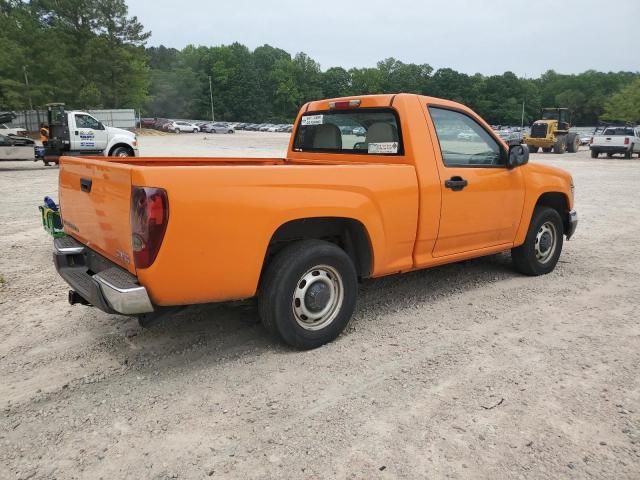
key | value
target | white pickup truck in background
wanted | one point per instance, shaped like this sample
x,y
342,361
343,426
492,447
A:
x,y
622,139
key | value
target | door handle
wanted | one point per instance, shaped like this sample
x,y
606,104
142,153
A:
x,y
76,132
456,183
85,184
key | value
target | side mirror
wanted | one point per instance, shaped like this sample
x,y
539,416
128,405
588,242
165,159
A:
x,y
518,156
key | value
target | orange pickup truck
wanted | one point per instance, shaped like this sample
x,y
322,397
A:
x,y
371,186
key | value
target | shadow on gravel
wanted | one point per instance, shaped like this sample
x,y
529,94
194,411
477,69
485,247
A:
x,y
235,329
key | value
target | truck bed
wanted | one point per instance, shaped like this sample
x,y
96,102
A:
x,y
222,217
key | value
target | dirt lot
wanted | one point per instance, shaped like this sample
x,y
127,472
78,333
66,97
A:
x,y
464,371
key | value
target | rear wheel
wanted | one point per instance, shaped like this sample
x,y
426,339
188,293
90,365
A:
x,y
561,144
308,293
594,153
573,142
539,253
628,153
176,130
532,149
195,130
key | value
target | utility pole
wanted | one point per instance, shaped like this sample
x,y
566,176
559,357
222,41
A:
x,y
211,95
26,82
522,123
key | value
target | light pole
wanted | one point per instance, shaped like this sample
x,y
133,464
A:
x,y
26,82
211,95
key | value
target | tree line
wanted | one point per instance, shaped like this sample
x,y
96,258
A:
x,y
92,54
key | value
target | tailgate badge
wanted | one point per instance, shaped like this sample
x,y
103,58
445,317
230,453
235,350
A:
x,y
122,256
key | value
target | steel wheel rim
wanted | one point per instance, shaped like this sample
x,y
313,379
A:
x,y
317,283
123,153
546,242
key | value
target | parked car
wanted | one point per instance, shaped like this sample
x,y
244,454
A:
x,y
217,128
160,122
299,232
359,131
15,131
585,138
624,140
147,122
181,126
13,147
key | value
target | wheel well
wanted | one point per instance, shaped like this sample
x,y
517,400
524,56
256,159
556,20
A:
x,y
557,201
346,233
117,145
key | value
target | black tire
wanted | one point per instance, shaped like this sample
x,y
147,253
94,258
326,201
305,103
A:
x,y
546,226
546,149
573,142
594,153
629,153
195,130
561,145
609,155
121,152
532,149
284,279
176,130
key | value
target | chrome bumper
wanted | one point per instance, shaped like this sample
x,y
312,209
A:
x,y
572,221
112,289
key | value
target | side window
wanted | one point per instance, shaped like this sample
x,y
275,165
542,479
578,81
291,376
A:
x,y
87,121
463,142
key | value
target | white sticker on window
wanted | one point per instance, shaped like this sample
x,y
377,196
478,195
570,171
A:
x,y
383,147
312,120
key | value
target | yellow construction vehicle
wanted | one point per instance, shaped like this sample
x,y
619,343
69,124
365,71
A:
x,y
552,133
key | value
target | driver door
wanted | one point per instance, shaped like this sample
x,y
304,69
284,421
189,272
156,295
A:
x,y
482,200
89,134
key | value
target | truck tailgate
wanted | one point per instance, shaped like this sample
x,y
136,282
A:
x,y
95,199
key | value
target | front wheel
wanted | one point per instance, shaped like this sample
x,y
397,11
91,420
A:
x,y
121,152
308,293
539,253
594,153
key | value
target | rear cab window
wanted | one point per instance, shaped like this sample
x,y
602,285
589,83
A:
x,y
619,131
362,131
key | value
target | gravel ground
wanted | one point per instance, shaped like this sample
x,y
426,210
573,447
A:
x,y
464,371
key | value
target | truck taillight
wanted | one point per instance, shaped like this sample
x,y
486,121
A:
x,y
149,218
626,140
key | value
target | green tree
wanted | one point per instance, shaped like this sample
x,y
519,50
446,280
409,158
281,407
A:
x,y
625,104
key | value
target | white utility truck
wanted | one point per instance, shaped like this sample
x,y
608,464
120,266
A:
x,y
78,133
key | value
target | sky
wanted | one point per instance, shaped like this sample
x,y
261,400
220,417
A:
x,y
527,37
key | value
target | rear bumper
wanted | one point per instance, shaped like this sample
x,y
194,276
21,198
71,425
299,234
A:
x,y
610,148
572,222
112,289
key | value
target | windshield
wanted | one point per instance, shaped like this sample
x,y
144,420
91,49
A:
x,y
550,115
362,131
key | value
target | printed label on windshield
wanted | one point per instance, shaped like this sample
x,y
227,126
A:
x,y
383,147
312,120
